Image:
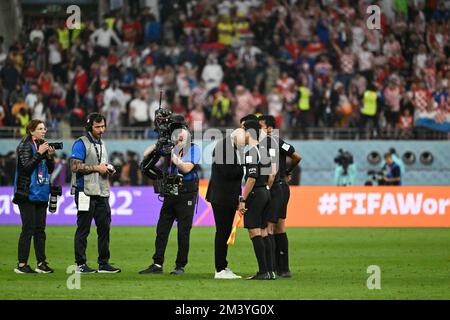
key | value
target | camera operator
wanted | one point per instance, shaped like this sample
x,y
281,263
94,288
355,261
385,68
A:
x,y
345,172
90,172
180,200
393,175
397,160
35,163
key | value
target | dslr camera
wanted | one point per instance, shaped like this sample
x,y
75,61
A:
x,y
54,145
378,176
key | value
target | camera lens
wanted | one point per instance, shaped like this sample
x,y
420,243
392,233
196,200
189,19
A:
x,y
56,145
53,203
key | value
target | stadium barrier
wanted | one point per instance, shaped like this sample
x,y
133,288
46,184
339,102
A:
x,y
426,129
309,207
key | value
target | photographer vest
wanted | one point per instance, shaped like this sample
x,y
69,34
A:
x,y
94,183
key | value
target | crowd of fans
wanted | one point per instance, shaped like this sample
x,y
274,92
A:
x,y
308,63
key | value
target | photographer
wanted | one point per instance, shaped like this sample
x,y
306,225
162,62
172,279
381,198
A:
x,y
392,171
90,173
31,193
179,198
345,172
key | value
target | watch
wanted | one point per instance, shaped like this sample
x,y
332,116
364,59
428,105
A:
x,y
241,199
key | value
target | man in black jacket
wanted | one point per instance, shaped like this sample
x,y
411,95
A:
x,y
223,192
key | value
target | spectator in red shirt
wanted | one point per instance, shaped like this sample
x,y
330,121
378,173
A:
x,y
131,30
45,83
315,47
31,73
81,81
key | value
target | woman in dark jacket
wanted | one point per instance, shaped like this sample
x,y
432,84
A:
x,y
31,193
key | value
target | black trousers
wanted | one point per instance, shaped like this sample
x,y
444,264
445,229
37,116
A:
x,y
223,216
181,209
100,211
34,216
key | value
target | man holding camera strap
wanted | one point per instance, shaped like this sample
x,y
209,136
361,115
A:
x,y
91,189
179,204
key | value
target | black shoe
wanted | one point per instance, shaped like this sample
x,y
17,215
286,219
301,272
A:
x,y
154,269
107,268
177,271
24,269
285,274
44,268
84,268
260,276
273,275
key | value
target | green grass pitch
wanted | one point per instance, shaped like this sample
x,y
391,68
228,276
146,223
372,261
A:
x,y
327,263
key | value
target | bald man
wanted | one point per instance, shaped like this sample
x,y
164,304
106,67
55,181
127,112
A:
x,y
223,192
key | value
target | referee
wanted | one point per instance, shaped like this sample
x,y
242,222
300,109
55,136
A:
x,y
256,196
224,189
279,150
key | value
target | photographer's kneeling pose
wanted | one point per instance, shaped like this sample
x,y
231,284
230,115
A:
x,y
90,172
177,182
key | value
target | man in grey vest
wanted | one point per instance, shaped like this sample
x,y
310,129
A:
x,y
90,171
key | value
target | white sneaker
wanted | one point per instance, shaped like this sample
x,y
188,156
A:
x,y
226,274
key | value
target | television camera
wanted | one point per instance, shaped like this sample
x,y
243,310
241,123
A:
x,y
165,125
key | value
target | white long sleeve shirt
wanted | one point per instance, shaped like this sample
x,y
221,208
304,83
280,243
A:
x,y
212,75
103,37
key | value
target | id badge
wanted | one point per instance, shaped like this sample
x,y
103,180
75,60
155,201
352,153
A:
x,y
272,152
83,202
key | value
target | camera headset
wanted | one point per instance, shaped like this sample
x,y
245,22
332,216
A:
x,y
93,117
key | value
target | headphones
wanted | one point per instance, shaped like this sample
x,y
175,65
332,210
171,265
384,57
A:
x,y
93,117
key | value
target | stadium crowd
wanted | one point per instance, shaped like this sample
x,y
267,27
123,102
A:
x,y
307,63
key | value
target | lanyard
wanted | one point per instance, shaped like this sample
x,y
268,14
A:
x,y
41,179
99,156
